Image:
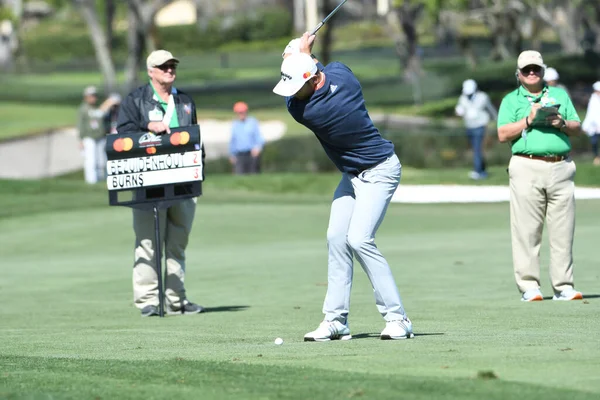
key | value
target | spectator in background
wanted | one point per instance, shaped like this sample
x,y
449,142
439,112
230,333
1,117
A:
x,y
551,77
476,109
246,142
591,123
110,121
8,45
93,134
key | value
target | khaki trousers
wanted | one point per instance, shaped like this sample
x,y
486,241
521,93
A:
x,y
175,224
542,190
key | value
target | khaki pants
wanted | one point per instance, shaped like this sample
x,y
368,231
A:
x,y
175,224
542,190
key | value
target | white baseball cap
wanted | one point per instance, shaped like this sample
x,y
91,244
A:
x,y
295,71
551,74
293,47
90,91
469,87
530,57
158,58
596,86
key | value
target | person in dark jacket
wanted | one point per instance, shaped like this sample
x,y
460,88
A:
x,y
157,107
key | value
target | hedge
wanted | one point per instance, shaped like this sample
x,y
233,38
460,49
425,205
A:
x,y
430,147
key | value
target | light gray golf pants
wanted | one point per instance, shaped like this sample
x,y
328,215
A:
x,y
358,208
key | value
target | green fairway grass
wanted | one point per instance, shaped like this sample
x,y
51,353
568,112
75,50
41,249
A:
x,y
257,261
20,119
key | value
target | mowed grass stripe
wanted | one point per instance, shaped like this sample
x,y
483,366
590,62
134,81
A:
x,y
220,380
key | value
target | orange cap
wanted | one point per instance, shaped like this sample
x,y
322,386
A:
x,y
240,107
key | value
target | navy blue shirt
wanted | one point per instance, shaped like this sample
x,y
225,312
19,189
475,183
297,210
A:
x,y
337,115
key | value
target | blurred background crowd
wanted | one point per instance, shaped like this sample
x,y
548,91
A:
x,y
416,59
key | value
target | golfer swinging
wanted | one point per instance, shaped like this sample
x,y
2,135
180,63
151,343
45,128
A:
x,y
329,101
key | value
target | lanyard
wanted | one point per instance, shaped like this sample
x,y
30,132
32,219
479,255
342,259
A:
x,y
532,100
169,111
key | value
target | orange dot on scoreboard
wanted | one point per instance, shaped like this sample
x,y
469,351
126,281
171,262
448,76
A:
x,y
118,145
185,137
127,144
175,139
151,150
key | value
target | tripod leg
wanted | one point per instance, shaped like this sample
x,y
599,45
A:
x,y
158,257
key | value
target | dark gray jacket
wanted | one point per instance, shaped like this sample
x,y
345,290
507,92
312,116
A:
x,y
134,113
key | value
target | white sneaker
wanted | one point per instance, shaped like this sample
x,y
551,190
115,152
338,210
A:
x,y
399,329
532,295
329,330
568,294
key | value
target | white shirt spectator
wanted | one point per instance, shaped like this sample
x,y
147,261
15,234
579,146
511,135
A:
x,y
475,106
591,123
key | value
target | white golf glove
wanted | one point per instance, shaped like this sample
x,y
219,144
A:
x,y
292,47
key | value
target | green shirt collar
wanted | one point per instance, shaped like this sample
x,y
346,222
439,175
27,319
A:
x,y
535,98
157,97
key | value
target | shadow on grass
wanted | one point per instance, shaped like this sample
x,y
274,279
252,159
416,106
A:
x,y
585,297
225,309
376,335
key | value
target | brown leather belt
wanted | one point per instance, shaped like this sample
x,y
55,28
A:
x,y
553,158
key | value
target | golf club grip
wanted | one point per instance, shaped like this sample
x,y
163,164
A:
x,y
327,17
314,31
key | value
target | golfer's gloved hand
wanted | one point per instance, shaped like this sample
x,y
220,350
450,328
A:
x,y
292,47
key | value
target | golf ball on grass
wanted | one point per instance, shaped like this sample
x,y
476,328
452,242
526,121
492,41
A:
x,y
279,341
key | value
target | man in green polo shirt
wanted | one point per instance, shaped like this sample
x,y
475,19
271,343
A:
x,y
538,120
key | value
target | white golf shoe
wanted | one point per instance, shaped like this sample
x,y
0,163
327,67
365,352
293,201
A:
x,y
329,330
396,330
568,294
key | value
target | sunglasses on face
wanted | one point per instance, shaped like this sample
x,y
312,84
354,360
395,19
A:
x,y
536,69
166,67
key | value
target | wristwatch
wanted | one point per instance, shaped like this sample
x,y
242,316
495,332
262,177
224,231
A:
x,y
564,124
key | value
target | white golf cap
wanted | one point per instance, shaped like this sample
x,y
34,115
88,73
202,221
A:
x,y
158,58
551,74
293,47
295,71
90,91
469,87
596,86
530,57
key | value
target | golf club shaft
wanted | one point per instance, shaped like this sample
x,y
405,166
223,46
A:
x,y
314,31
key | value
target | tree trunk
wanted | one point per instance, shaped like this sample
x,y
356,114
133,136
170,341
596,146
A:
x,y
88,11
141,36
110,9
392,25
299,16
565,21
496,23
466,48
408,16
568,22
326,43
136,45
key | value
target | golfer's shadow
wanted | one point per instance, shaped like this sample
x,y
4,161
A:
x,y
225,309
585,297
376,335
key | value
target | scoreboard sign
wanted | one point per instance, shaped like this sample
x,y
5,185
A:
x,y
138,161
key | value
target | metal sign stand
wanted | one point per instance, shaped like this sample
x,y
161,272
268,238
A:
x,y
158,259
